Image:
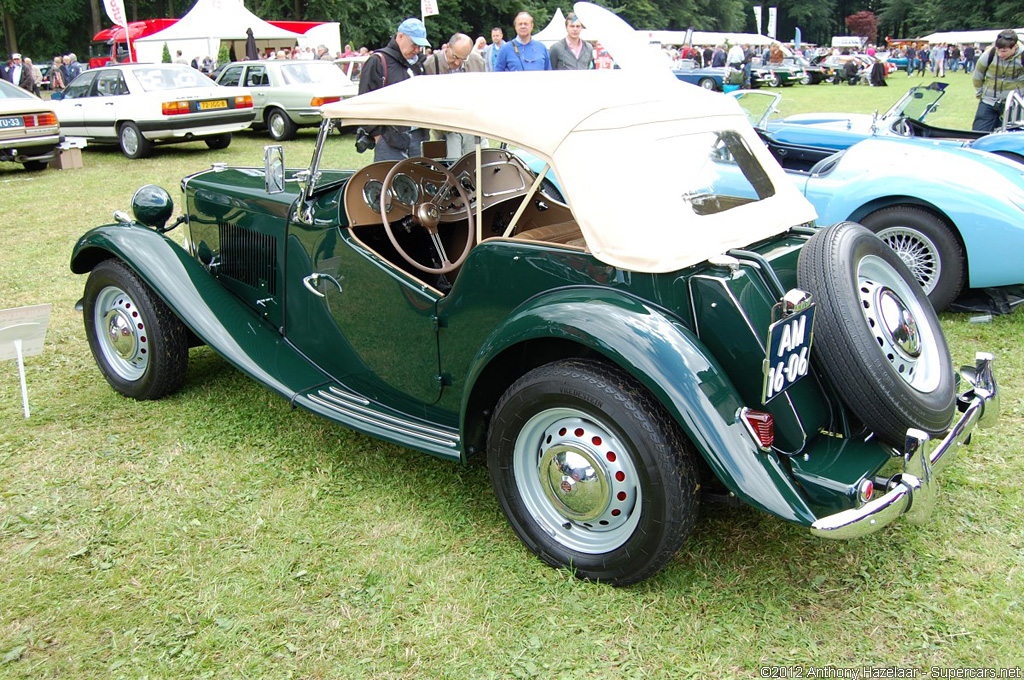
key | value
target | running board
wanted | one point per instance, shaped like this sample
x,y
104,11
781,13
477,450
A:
x,y
340,405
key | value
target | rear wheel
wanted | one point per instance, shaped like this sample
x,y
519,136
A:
x,y
280,126
133,144
221,141
35,166
591,472
927,246
877,337
139,345
774,80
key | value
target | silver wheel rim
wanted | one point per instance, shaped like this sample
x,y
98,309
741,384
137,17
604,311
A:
x,y
276,125
918,252
129,140
898,323
707,84
121,333
577,480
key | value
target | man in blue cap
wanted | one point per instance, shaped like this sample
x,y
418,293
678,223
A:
x,y
400,60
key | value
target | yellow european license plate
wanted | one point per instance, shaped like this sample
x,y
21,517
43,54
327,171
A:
x,y
213,104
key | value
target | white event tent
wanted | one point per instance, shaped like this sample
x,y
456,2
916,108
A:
x,y
983,37
210,22
555,31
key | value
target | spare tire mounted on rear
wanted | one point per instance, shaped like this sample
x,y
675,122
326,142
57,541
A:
x,y
877,337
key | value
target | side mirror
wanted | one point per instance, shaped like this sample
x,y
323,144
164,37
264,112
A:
x,y
57,96
273,167
152,206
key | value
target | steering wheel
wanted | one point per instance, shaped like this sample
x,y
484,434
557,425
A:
x,y
427,214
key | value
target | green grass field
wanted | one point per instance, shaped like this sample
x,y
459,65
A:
x,y
219,534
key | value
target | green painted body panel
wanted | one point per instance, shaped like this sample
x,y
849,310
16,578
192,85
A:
x,y
378,330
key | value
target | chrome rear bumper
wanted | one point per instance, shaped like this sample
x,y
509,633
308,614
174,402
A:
x,y
912,492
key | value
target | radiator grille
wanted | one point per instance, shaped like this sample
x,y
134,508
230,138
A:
x,y
248,257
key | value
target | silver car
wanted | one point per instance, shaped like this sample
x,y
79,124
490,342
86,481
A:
x,y
287,93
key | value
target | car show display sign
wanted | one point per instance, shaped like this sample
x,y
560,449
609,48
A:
x,y
22,332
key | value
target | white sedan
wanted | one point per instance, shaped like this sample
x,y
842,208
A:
x,y
138,105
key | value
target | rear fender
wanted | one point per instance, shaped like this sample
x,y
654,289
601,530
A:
x,y
216,316
674,365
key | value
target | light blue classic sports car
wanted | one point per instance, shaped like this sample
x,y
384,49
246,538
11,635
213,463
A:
x,y
905,119
958,225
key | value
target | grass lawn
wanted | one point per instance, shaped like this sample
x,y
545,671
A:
x,y
219,534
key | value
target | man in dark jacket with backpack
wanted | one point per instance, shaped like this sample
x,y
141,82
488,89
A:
x,y
400,60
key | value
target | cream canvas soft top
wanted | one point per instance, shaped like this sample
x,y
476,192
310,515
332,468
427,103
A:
x,y
618,143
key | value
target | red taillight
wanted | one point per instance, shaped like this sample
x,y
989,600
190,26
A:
x,y
39,120
761,426
174,108
320,101
243,102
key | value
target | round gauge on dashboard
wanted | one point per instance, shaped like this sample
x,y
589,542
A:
x,y
405,189
431,188
371,194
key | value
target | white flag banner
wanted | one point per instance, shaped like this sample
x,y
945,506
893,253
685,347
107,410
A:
x,y
772,12
428,8
757,17
115,10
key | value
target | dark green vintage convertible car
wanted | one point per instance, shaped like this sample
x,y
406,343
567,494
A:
x,y
661,327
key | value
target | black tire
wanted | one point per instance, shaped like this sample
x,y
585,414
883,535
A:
x,y
774,80
280,126
139,345
929,248
806,79
636,502
133,144
868,352
221,141
35,166
708,84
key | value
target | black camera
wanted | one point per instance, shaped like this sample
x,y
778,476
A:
x,y
364,140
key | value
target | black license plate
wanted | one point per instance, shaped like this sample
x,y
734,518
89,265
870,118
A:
x,y
789,352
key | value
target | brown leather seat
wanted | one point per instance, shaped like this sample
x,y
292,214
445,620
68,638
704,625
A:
x,y
566,233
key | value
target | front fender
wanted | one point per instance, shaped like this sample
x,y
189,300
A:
x,y
216,316
674,365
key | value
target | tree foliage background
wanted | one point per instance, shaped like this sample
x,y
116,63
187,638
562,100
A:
x,y
44,28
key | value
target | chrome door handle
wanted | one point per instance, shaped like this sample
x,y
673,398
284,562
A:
x,y
312,282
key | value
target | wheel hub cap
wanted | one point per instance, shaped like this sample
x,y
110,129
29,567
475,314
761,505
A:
x,y
578,480
575,482
120,332
898,323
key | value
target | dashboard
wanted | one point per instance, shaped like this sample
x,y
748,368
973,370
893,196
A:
x,y
504,176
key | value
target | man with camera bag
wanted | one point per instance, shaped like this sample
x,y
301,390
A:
x,y
400,60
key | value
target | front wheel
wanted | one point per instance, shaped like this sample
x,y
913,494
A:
x,y
139,345
927,246
591,472
133,144
708,84
221,141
